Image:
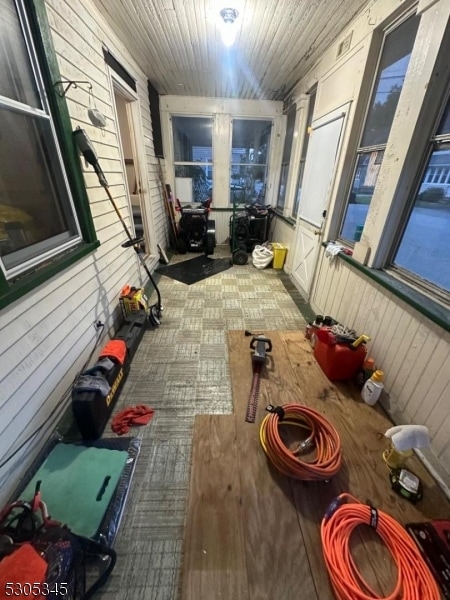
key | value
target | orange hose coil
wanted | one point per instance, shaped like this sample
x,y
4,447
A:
x,y
324,437
414,579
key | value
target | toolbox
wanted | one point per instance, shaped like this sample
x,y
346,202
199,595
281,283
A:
x,y
433,540
92,409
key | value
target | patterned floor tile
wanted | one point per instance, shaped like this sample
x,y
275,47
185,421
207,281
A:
x,y
181,369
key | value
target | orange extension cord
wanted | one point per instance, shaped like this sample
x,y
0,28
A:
x,y
324,437
414,579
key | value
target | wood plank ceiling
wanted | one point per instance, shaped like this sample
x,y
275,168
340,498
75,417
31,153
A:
x,y
178,43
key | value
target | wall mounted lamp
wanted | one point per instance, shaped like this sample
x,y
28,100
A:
x,y
229,27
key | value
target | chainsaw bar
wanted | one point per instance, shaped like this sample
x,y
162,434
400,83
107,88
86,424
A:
x,y
253,398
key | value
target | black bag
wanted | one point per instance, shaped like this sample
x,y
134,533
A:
x,y
68,556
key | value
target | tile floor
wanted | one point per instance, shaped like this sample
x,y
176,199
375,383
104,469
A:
x,y
181,369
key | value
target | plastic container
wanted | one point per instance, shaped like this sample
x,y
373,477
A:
x,y
373,387
132,300
339,361
279,255
369,368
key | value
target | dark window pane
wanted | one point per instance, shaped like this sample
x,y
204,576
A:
x,y
290,126
249,156
301,172
34,202
192,139
248,183
444,125
250,141
391,75
193,183
424,248
365,178
312,102
311,105
283,183
16,75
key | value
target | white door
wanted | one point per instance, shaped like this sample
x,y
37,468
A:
x,y
320,167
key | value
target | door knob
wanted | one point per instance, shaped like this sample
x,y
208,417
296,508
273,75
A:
x,y
317,232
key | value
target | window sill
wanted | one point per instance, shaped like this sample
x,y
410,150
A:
x,y
29,282
434,311
289,220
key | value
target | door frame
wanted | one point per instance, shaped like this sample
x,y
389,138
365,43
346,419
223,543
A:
x,y
335,114
133,108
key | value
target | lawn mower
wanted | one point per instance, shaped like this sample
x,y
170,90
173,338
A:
x,y
86,148
196,233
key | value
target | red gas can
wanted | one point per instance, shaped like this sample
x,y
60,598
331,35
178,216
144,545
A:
x,y
339,361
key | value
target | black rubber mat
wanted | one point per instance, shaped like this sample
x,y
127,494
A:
x,y
196,269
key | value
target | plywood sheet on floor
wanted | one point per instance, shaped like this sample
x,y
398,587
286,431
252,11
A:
x,y
276,556
214,565
280,517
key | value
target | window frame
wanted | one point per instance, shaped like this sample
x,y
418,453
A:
x,y
409,277
183,163
379,148
402,191
286,163
266,165
309,117
45,55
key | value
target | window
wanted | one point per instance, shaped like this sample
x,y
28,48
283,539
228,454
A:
x,y
45,222
37,214
249,160
193,158
423,249
301,171
290,126
391,72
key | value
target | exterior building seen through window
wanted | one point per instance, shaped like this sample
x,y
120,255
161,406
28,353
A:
x,y
393,64
193,158
423,250
249,160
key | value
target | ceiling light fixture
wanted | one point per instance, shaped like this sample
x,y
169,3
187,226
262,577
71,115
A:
x,y
229,27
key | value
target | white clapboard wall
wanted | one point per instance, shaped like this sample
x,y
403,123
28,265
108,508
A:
x,y
48,334
413,351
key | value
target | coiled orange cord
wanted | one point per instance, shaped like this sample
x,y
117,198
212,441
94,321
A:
x,y
323,437
414,579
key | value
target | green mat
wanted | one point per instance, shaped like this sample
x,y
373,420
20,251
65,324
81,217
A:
x,y
77,484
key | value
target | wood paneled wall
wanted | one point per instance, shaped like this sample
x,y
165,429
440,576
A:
x,y
49,334
413,351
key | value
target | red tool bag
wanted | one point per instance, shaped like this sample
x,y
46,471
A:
x,y
40,557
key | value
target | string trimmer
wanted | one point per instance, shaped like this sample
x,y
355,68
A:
x,y
86,148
